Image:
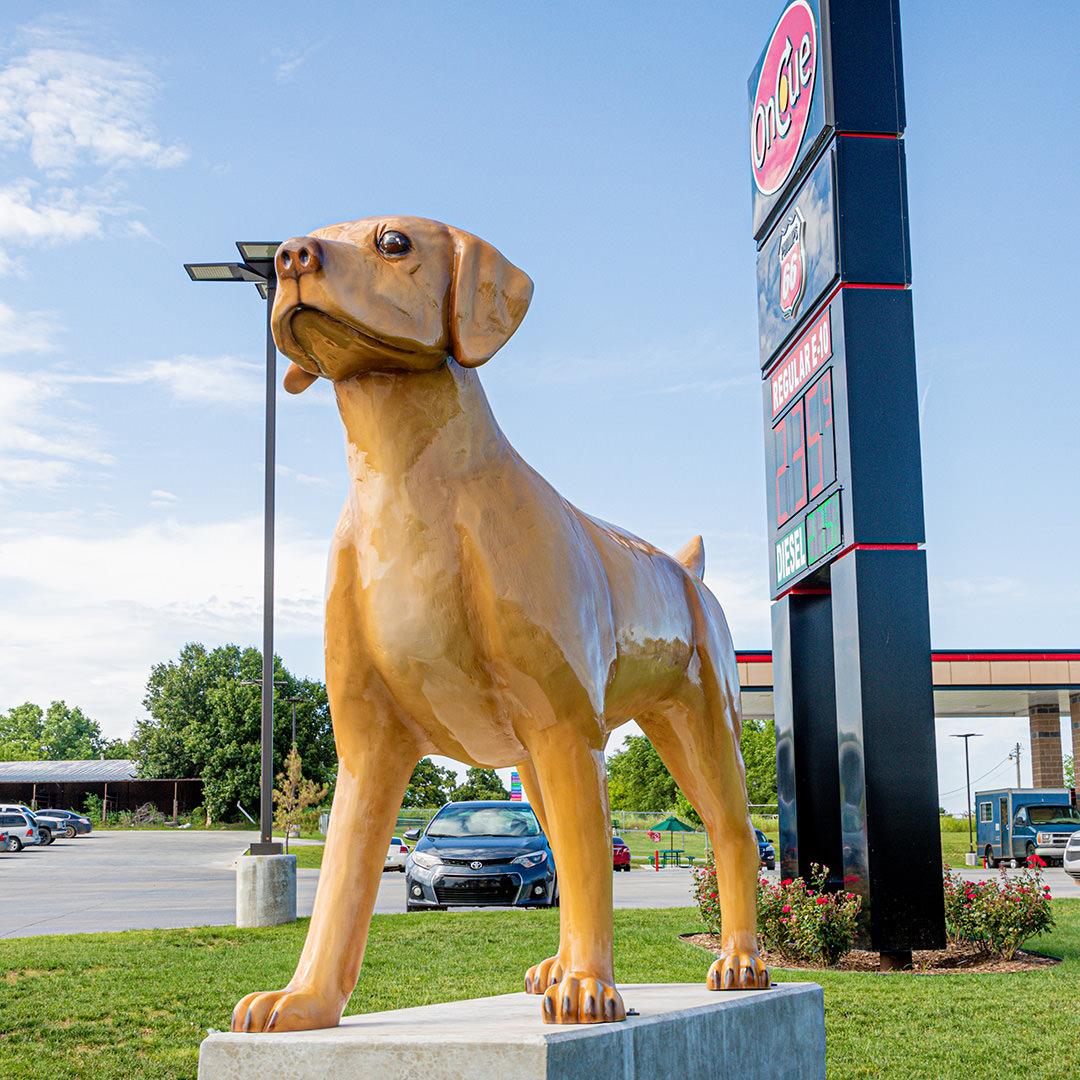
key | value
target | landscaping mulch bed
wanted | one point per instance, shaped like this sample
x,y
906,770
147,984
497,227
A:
x,y
964,959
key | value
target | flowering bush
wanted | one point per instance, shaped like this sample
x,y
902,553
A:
x,y
703,889
800,921
998,916
805,924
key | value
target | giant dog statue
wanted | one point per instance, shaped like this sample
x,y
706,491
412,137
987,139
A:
x,y
474,613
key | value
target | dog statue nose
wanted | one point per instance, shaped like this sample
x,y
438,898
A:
x,y
304,255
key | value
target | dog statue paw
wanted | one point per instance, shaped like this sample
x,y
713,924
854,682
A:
x,y
540,976
285,1010
738,970
580,999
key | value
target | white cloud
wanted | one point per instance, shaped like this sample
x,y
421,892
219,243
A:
x,y
69,111
195,380
288,67
67,107
88,612
303,478
61,215
26,332
38,446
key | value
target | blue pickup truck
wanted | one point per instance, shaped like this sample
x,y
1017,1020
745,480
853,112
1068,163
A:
x,y
1013,824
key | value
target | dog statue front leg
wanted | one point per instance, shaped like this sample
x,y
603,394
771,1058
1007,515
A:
x,y
572,776
369,791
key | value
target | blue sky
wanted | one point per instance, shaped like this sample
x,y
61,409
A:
x,y
602,148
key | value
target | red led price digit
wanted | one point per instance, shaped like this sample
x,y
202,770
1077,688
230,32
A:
x,y
783,481
821,461
789,448
798,456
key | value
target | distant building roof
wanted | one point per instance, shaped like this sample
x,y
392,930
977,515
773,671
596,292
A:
x,y
60,772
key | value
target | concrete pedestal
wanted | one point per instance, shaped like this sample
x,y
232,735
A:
x,y
682,1032
265,890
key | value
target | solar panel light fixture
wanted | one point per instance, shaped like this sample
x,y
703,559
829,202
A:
x,y
257,267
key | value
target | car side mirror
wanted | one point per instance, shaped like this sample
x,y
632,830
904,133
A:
x,y
412,835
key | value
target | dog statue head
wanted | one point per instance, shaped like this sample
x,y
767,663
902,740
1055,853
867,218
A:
x,y
392,294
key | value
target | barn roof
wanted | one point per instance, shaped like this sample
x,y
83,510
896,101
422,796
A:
x,y
94,771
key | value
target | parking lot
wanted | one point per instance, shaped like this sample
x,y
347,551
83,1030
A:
x,y
143,880
146,879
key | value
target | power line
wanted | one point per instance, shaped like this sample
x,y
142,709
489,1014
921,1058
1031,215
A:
x,y
1003,761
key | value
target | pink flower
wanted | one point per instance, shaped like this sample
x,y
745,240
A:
x,y
786,908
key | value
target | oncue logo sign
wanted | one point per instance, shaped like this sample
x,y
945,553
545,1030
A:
x,y
785,92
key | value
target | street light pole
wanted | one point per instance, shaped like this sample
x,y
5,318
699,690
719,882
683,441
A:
x,y
258,268
294,701
967,770
266,845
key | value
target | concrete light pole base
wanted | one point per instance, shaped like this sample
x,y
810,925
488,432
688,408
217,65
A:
x,y
265,890
678,1032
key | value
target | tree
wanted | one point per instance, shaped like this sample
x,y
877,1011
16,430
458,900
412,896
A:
x,y
294,795
480,784
759,756
430,785
205,722
638,779
60,733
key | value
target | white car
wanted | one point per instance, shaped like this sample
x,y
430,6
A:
x,y
21,829
1071,859
395,857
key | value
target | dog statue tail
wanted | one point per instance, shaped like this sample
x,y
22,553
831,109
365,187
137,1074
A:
x,y
692,556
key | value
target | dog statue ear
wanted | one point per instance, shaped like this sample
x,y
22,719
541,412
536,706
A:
x,y
297,380
488,299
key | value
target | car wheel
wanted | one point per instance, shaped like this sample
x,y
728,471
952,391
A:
x,y
69,832
555,894
771,864
988,854
1029,851
46,837
16,844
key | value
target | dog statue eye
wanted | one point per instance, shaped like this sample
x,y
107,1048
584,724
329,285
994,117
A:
x,y
392,242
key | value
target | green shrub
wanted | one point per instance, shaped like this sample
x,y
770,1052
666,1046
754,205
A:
x,y
804,923
998,916
801,922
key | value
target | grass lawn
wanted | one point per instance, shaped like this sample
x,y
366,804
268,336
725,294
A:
x,y
134,1006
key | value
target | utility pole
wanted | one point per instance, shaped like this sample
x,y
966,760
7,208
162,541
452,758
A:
x,y
1015,756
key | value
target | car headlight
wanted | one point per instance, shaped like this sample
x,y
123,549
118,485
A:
x,y
426,859
531,860
1043,838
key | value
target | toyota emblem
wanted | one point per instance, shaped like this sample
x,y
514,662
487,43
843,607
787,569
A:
x,y
476,864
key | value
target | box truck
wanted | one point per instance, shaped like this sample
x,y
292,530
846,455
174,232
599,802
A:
x,y
1014,823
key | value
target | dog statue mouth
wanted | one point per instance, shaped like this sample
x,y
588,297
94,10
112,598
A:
x,y
326,345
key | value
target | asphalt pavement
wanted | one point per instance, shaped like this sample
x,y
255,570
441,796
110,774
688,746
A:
x,y
161,879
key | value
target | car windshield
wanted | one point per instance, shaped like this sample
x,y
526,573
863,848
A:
x,y
1053,815
464,820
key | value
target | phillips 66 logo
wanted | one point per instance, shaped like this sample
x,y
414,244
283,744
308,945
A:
x,y
792,270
